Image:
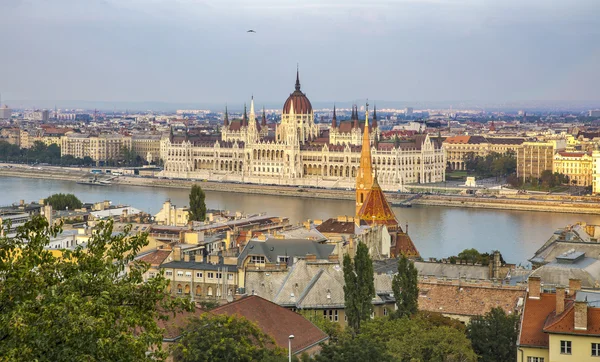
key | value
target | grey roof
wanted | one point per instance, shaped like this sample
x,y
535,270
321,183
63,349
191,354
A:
x,y
271,248
556,248
301,232
439,270
197,265
558,273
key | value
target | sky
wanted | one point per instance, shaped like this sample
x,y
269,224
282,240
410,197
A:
x,y
199,51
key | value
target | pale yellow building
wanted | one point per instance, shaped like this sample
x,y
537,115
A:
x,y
171,215
459,147
533,158
559,326
576,165
146,146
104,147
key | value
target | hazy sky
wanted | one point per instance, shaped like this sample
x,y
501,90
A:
x,y
398,50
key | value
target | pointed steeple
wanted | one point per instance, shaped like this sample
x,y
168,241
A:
x,y
252,115
355,114
374,123
334,119
245,117
297,78
264,118
364,178
226,118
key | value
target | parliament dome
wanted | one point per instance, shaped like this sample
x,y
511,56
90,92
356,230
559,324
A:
x,y
299,100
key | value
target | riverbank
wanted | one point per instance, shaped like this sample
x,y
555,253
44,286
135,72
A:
x,y
543,203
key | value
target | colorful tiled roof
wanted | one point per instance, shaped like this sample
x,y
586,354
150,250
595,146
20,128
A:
x,y
535,313
156,257
376,209
565,322
405,246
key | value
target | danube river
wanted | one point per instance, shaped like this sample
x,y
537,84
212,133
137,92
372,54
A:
x,y
436,231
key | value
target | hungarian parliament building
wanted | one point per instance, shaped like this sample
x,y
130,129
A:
x,y
298,153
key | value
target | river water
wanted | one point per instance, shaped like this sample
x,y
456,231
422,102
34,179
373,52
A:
x,y
436,231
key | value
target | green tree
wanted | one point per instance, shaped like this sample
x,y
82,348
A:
x,y
357,349
331,328
494,335
224,338
80,306
359,288
406,290
197,204
63,201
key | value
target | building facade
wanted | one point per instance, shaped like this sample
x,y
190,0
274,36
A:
x,y
100,148
533,158
296,153
576,165
459,147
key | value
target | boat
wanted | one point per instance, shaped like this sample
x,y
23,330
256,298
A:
x,y
93,182
405,204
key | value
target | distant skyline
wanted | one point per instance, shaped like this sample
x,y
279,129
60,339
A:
x,y
199,53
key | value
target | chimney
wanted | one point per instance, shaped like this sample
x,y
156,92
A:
x,y
333,258
177,253
574,286
186,257
48,214
534,285
311,257
560,300
581,315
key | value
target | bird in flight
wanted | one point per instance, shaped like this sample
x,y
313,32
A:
x,y
250,31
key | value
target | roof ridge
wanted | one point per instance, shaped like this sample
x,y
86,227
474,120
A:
x,y
560,317
285,280
309,286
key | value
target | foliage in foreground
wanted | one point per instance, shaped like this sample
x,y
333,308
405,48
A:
x,y
359,288
79,306
197,204
225,338
494,335
421,338
63,201
405,287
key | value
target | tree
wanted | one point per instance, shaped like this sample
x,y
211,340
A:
x,y
494,335
197,204
331,328
359,288
63,202
80,306
224,338
357,349
406,290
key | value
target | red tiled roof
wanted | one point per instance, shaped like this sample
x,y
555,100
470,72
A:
x,y
404,245
574,154
301,103
565,322
534,316
276,321
376,209
156,257
457,139
467,300
337,227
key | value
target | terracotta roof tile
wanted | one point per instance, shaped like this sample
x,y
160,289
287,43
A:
x,y
565,322
276,321
156,257
535,313
338,227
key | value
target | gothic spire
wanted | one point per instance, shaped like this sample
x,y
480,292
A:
x,y
226,118
264,117
374,123
334,119
297,78
355,115
245,117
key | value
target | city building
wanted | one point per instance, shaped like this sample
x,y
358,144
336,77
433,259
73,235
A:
x,y
147,146
458,148
595,172
171,215
298,153
591,113
5,112
533,158
576,165
101,148
559,325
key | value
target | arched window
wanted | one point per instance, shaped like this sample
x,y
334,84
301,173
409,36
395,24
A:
x,y
209,291
198,290
179,289
187,289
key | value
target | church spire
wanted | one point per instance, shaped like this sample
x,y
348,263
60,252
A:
x,y
355,116
226,118
264,117
364,178
334,119
297,78
374,123
245,117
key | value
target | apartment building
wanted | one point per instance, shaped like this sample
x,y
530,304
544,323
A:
x,y
458,147
576,165
533,158
100,148
147,146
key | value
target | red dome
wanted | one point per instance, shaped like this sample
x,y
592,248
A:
x,y
299,100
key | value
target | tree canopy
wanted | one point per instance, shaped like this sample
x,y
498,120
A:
x,y
406,290
494,335
80,306
359,288
494,164
63,201
225,338
40,153
197,204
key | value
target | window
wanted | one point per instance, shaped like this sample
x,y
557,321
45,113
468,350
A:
x,y
211,275
188,274
257,259
596,349
230,276
198,274
565,347
535,359
385,312
169,273
179,289
283,259
331,314
151,275
219,275
179,273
